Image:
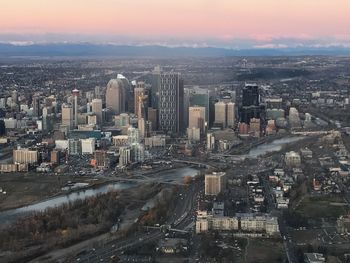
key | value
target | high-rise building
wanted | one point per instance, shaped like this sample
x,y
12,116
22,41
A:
x,y
254,127
170,112
75,94
294,119
133,135
96,107
36,106
153,117
74,147
124,155
194,134
101,159
200,97
210,141
215,183
67,116
139,94
221,113
250,96
117,94
196,118
231,115
251,107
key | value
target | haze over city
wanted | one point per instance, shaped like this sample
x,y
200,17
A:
x,y
187,131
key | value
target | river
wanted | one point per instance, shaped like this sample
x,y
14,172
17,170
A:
x,y
168,176
273,146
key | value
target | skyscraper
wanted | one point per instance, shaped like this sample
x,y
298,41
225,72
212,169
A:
x,y
220,113
170,102
75,93
196,118
200,97
250,96
117,94
231,115
67,116
36,106
139,93
96,107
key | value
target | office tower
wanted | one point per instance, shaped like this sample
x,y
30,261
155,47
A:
x,y
171,93
220,113
200,97
153,117
138,152
139,95
36,106
210,141
196,118
215,183
96,108
75,94
250,95
67,116
98,92
231,115
251,107
133,135
117,94
155,84
124,155
145,128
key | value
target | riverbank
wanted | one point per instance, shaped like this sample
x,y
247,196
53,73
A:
x,y
26,189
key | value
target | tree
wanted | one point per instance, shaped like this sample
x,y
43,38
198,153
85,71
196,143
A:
x,y
2,128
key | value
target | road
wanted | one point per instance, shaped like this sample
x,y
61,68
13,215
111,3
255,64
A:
x,y
181,218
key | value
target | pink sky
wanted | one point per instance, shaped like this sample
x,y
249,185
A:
x,y
222,19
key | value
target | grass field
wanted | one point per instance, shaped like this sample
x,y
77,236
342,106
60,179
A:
x,y
323,207
264,250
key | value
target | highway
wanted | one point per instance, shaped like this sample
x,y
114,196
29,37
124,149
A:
x,y
182,218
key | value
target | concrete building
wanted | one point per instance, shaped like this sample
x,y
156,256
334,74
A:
x,y
88,146
116,95
124,156
292,159
314,258
139,93
215,183
294,119
254,127
75,94
220,114
133,135
231,115
196,118
155,141
101,159
194,134
67,116
170,103
96,108
210,141
74,147
25,156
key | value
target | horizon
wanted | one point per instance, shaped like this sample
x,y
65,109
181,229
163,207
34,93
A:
x,y
198,23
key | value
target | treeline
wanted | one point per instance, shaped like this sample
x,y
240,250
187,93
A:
x,y
61,226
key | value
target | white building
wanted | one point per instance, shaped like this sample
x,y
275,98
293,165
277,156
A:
x,y
87,146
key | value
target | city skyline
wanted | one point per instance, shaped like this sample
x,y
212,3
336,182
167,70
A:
x,y
231,24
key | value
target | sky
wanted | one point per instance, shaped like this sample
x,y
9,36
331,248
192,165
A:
x,y
224,23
